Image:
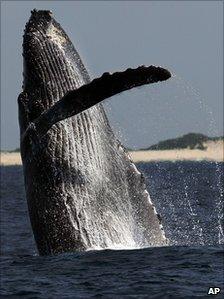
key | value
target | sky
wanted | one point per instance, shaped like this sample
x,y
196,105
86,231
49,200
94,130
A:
x,y
186,37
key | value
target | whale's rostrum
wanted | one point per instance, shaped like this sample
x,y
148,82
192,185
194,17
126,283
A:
x,y
83,190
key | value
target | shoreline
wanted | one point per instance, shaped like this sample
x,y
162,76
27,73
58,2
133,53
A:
x,y
176,155
214,154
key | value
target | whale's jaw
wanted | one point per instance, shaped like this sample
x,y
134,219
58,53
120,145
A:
x,y
83,191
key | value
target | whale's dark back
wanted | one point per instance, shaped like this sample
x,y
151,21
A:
x,y
82,189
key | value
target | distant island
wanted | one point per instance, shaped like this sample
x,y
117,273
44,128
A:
x,y
188,141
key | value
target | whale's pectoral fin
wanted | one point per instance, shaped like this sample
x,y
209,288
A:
x,y
88,95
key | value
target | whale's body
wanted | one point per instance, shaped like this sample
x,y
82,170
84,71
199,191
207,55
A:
x,y
82,189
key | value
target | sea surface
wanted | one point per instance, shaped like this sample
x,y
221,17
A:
x,y
189,198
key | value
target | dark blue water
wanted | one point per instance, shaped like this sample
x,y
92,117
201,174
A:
x,y
189,198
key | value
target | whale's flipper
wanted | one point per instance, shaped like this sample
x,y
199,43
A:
x,y
78,100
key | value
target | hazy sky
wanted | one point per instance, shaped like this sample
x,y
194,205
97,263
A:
x,y
186,37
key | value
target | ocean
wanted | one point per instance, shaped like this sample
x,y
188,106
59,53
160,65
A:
x,y
189,199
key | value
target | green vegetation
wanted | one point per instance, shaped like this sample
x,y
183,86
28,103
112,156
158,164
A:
x,y
191,141
17,150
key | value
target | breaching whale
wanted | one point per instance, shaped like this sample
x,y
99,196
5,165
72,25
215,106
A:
x,y
83,191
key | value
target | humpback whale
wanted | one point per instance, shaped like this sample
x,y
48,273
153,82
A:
x,y
82,189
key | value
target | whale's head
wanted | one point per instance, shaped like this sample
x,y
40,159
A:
x,y
52,68
49,55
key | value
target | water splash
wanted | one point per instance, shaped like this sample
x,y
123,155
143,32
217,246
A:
x,y
211,131
185,104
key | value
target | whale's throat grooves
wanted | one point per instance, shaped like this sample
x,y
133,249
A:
x,y
83,191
